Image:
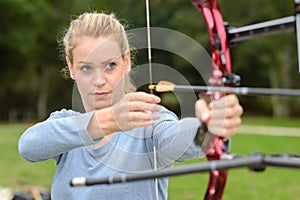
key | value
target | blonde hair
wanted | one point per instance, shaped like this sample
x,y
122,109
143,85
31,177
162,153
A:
x,y
96,25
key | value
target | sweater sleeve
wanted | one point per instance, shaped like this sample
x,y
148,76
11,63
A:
x,y
174,139
63,131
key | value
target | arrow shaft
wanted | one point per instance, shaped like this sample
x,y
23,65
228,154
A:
x,y
238,90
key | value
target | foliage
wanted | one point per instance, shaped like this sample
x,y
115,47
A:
x,y
31,61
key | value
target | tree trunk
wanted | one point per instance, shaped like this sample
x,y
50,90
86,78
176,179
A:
x,y
282,78
43,95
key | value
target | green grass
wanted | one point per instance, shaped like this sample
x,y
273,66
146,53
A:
x,y
267,121
15,171
273,183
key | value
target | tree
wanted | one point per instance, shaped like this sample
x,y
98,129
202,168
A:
x,y
30,55
268,61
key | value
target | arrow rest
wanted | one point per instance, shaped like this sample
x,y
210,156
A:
x,y
231,80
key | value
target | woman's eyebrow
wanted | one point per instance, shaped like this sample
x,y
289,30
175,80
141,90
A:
x,y
84,62
109,60
102,62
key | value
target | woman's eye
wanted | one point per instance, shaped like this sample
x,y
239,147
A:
x,y
111,65
85,68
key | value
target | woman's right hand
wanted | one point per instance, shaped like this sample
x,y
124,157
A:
x,y
133,110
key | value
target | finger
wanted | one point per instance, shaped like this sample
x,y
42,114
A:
x,y
225,133
202,110
228,112
226,101
134,124
144,97
224,128
142,106
143,116
139,119
227,123
136,119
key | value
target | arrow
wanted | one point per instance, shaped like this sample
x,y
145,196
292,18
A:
x,y
166,86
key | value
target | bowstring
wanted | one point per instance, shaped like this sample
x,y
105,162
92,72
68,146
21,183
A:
x,y
151,92
149,43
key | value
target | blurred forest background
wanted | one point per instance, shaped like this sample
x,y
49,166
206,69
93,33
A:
x,y
31,85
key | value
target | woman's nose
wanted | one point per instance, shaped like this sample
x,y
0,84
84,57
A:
x,y
100,79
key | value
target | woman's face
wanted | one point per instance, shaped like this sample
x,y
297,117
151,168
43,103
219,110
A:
x,y
98,68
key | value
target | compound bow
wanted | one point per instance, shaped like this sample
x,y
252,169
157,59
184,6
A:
x,y
220,38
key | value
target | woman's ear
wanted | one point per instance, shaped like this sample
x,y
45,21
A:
x,y
70,66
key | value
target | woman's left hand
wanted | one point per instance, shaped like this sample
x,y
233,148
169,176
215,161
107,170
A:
x,y
222,116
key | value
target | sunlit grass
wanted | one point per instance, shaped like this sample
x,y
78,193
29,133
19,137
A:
x,y
15,170
267,121
273,183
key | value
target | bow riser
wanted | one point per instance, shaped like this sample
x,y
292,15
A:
x,y
221,66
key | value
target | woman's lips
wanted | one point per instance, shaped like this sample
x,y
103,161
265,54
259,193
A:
x,y
100,95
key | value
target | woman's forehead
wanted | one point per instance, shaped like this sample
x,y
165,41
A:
x,y
101,48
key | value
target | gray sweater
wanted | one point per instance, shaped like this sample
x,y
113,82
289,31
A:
x,y
64,138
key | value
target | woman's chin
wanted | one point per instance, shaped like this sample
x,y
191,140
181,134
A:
x,y
96,106
99,106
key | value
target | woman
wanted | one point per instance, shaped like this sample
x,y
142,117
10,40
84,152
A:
x,y
120,128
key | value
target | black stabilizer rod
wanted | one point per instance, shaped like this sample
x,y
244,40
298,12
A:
x,y
255,162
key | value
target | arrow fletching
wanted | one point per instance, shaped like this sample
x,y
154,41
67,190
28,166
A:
x,y
163,86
